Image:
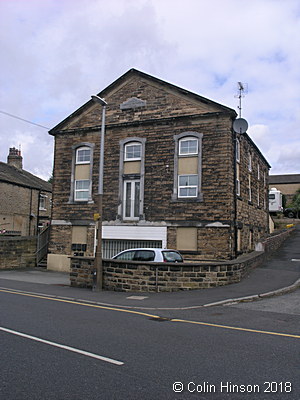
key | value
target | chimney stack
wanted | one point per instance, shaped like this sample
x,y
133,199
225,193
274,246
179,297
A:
x,y
14,158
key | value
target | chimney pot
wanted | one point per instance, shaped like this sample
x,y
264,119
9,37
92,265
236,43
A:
x,y
14,158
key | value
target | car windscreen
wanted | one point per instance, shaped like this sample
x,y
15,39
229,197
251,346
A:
x,y
172,256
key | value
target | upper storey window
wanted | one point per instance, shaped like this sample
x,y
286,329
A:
x,y
238,150
81,173
187,166
133,151
187,185
250,162
188,146
83,155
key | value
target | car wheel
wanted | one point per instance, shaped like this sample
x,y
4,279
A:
x,y
291,214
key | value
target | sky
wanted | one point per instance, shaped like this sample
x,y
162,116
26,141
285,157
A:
x,y
56,53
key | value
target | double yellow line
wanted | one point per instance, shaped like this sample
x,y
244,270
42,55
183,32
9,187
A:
x,y
44,297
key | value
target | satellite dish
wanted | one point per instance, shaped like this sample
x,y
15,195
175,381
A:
x,y
240,125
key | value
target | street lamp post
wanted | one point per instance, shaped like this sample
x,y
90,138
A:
x,y
98,255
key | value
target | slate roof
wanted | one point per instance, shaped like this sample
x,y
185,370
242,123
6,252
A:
x,y
284,179
20,177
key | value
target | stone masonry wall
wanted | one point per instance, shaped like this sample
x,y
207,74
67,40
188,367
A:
x,y
167,113
166,277
252,216
17,252
17,203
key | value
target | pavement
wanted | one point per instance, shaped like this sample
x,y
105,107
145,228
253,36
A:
x,y
276,276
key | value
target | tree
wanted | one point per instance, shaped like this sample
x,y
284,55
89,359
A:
x,y
296,202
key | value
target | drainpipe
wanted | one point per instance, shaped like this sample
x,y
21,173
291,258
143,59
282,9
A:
x,y
38,211
30,212
234,196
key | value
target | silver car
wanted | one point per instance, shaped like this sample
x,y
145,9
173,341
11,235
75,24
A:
x,y
149,254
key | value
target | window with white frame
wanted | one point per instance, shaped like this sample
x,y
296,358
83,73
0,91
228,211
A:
x,y
131,207
82,190
188,146
238,150
238,187
83,155
250,162
81,173
133,151
258,172
42,204
187,185
187,166
249,188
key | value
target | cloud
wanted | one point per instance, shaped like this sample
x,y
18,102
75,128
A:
x,y
57,53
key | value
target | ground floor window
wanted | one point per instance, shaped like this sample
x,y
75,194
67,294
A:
x,y
131,199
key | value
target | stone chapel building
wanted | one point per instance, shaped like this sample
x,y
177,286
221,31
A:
x,y
176,175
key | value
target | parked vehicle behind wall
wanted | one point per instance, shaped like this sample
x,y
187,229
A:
x,y
275,201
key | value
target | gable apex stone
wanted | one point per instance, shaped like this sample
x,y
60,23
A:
x,y
133,103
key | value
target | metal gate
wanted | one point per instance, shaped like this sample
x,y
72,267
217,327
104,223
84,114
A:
x,y
42,246
111,247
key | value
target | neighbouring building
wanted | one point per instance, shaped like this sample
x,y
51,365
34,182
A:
x,y
25,199
287,184
176,175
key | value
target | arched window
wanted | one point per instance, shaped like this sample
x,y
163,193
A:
x,y
188,146
81,176
131,178
83,155
133,151
187,166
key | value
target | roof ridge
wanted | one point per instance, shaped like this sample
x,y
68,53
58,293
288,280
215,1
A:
x,y
21,177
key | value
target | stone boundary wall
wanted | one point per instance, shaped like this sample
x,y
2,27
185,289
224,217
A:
x,y
272,243
133,276
17,252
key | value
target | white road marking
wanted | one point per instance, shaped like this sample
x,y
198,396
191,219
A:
x,y
62,346
137,297
295,259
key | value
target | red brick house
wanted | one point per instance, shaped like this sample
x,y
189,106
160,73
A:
x,y
175,175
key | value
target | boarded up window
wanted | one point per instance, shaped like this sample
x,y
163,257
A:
x,y
187,239
79,234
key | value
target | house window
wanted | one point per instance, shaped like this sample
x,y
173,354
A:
x,y
83,155
238,150
250,162
187,185
42,205
258,172
132,178
82,172
82,189
133,151
188,146
249,189
187,166
238,183
238,187
131,199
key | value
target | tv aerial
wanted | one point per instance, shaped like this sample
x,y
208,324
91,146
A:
x,y
240,125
